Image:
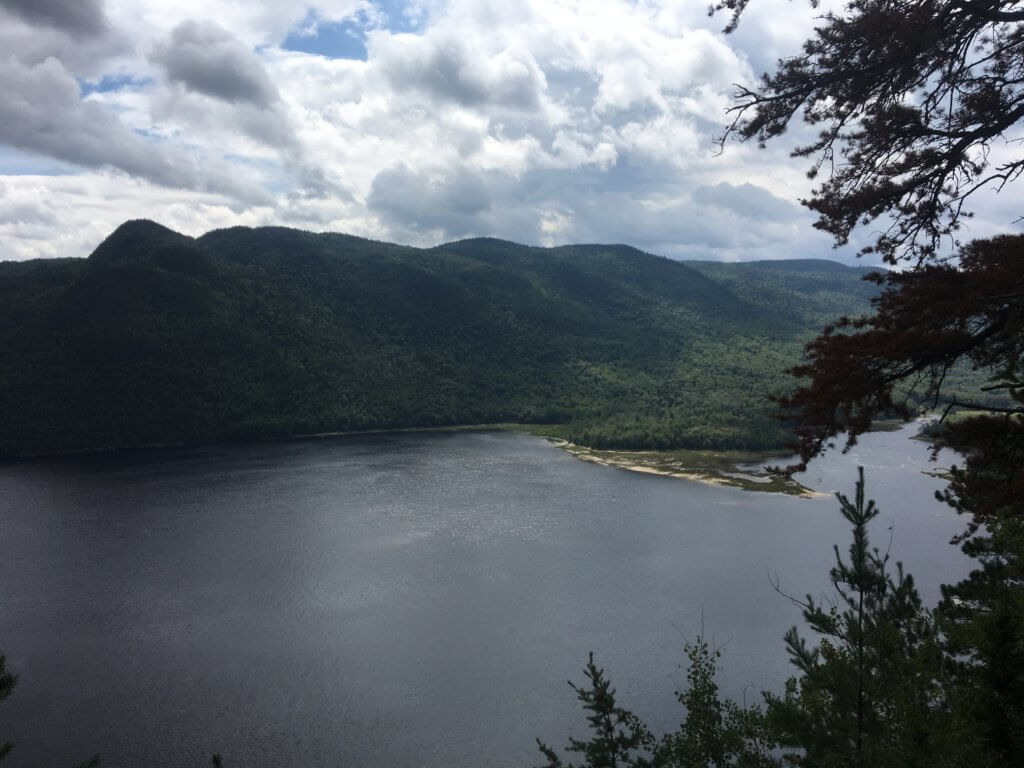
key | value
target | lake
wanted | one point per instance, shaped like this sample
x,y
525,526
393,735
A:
x,y
401,600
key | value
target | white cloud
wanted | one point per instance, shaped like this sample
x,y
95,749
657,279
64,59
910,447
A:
x,y
254,22
541,121
445,67
41,112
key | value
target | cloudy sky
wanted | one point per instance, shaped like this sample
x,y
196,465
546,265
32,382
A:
x,y
418,122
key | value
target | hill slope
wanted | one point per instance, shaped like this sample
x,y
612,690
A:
x,y
162,338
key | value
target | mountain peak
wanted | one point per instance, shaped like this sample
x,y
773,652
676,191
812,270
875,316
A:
x,y
134,237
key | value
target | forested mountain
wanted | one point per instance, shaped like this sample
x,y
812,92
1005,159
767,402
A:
x,y
161,338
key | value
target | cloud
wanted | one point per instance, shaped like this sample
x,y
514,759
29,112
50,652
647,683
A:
x,y
256,23
69,215
206,58
446,67
747,200
40,111
451,204
80,34
185,115
62,216
82,18
593,205
544,122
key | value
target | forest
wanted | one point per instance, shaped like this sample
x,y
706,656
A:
x,y
158,338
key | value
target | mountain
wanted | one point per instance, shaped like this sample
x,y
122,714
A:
x,y
161,338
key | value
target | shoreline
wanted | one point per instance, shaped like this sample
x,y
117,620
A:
x,y
719,468
724,468
225,441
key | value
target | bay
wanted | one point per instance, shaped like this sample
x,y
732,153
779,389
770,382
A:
x,y
402,600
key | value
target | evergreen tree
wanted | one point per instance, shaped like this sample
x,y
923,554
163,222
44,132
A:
x,y
982,619
715,733
909,99
866,691
618,738
877,690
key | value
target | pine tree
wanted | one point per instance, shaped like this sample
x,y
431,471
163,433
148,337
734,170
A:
x,y
887,685
714,733
982,619
618,738
865,694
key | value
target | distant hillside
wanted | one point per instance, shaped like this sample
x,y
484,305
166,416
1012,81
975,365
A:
x,y
812,292
243,333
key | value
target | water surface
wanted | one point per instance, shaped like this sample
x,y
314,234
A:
x,y
409,600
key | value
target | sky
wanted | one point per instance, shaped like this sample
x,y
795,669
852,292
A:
x,y
417,122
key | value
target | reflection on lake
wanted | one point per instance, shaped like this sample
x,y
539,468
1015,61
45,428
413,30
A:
x,y
406,600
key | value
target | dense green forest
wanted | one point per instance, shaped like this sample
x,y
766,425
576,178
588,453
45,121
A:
x,y
242,333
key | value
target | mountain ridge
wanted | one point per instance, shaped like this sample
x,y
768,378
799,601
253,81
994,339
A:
x,y
245,333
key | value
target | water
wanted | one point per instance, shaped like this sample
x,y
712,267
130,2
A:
x,y
412,600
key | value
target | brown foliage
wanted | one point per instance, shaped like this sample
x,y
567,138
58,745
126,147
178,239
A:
x,y
926,320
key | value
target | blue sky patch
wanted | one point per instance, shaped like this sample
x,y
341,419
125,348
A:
x,y
347,39
111,83
14,162
398,20
336,41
